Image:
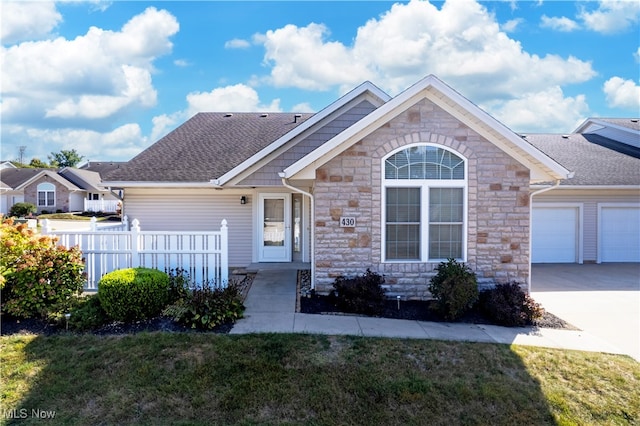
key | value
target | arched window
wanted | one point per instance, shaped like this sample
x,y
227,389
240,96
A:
x,y
424,189
46,194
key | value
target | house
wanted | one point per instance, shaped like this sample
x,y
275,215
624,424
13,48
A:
x,y
594,216
395,185
66,190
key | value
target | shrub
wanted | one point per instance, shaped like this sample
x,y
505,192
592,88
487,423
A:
x,y
134,293
179,284
37,276
207,306
22,209
509,305
455,289
362,294
87,314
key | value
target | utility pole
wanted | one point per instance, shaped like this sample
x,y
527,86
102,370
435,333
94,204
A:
x,y
21,151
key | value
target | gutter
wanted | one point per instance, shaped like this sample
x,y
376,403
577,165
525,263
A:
x,y
286,184
540,191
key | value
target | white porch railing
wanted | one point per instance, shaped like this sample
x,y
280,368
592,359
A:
x,y
106,206
204,255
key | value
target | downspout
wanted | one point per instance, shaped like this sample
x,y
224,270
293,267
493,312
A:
x,y
286,184
540,191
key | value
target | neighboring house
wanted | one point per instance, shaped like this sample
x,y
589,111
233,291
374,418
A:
x,y
51,190
7,165
595,215
396,185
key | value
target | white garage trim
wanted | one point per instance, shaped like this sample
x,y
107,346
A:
x,y
579,231
631,236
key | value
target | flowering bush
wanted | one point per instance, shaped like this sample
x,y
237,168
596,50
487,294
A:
x,y
36,275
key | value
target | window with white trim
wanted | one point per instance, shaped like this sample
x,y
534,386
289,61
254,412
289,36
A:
x,y
46,195
424,190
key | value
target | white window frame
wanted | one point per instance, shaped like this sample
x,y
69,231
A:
x,y
48,189
425,185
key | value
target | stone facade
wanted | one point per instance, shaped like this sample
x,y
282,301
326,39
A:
x,y
61,197
350,184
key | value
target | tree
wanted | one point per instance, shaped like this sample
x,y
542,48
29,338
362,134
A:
x,y
65,158
37,163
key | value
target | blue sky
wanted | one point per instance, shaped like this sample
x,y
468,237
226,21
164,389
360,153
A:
x,y
110,78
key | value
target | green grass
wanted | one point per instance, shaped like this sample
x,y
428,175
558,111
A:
x,y
204,378
73,216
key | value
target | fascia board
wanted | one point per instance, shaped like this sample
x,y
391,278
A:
x,y
156,184
460,107
634,188
500,135
264,155
349,136
604,124
52,175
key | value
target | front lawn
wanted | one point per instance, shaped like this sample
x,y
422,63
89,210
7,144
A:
x,y
206,378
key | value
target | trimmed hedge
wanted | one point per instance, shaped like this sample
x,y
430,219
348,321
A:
x,y
134,293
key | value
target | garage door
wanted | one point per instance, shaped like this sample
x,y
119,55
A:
x,y
554,235
620,234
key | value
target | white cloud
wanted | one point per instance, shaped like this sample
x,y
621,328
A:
x,y
138,89
622,93
181,63
563,24
237,43
637,55
29,20
543,111
511,25
612,16
164,123
78,87
237,98
303,107
302,57
461,42
95,75
121,143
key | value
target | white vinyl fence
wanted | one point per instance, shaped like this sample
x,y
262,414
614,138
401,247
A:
x,y
106,206
204,255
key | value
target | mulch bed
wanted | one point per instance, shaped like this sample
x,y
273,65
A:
x,y
12,326
419,310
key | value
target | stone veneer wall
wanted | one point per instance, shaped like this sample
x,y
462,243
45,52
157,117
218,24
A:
x,y
350,185
62,196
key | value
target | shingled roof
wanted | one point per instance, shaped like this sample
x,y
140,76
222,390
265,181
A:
x,y
629,123
14,177
206,147
594,165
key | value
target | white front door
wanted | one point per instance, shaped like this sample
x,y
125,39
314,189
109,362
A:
x,y
274,228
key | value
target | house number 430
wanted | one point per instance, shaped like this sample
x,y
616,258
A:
x,y
347,222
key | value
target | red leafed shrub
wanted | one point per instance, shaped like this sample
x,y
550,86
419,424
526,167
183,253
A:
x,y
36,275
509,305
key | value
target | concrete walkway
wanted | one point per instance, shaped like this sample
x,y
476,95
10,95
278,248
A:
x,y
271,309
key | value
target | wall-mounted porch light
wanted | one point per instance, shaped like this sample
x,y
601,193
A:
x,y
243,200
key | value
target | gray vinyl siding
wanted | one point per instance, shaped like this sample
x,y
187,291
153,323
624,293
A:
x,y
268,174
589,200
195,210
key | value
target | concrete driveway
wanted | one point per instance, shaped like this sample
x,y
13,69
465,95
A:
x,y
603,300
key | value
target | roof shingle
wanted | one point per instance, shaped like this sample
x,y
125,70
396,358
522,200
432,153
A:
x,y
206,147
592,164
